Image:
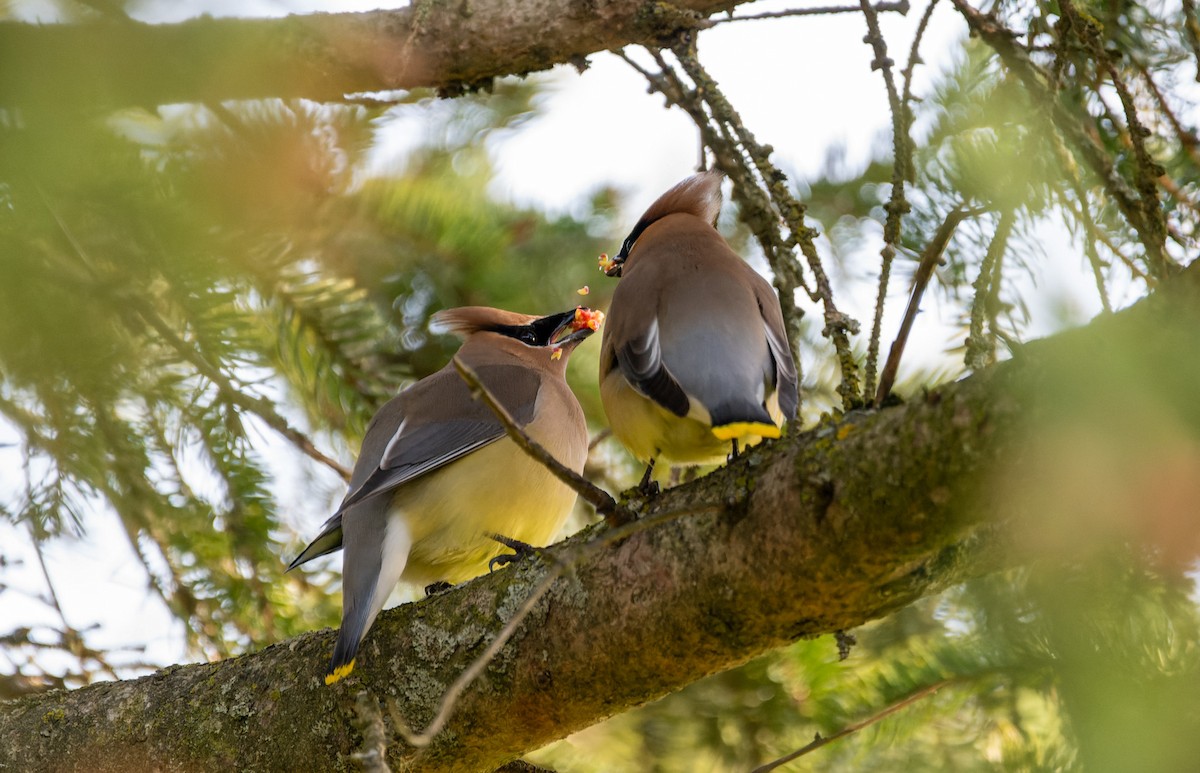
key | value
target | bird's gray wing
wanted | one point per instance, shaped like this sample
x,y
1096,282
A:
x,y
329,540
640,360
435,422
786,381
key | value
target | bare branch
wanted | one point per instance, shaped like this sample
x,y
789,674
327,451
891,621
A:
x,y
459,686
560,567
844,524
1187,138
1038,83
1147,171
1083,215
764,201
1191,29
929,259
980,349
914,58
820,740
450,47
897,205
595,496
901,7
373,756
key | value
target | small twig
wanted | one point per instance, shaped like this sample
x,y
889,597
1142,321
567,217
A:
x,y
1187,139
1038,82
820,740
454,691
902,7
764,201
914,58
599,438
255,405
369,723
594,495
897,205
1170,186
1191,29
561,566
1084,216
71,637
929,259
1146,169
981,350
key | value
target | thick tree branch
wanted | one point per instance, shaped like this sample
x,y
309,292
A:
x,y
816,533
445,45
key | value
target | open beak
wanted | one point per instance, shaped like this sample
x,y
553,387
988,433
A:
x,y
577,326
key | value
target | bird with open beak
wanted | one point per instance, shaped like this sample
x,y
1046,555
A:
x,y
695,357
437,473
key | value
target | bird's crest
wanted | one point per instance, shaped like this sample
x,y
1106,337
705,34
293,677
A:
x,y
466,320
698,195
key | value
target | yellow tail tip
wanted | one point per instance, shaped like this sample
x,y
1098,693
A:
x,y
740,429
340,672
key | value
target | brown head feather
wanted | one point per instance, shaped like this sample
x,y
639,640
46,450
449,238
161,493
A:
x,y
698,195
466,320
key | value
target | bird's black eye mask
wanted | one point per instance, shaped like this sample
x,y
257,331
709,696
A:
x,y
612,266
536,333
627,245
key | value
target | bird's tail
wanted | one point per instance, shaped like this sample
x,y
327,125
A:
x,y
740,429
740,420
342,662
372,563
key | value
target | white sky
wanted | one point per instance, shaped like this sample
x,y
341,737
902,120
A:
x,y
803,85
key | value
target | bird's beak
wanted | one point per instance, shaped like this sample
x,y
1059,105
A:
x,y
611,266
577,326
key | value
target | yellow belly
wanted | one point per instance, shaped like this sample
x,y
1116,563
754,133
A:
x,y
650,431
497,489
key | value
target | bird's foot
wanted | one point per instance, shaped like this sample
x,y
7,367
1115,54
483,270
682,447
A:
x,y
648,487
521,551
733,454
441,586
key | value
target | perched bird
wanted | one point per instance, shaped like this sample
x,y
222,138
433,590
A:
x,y
694,357
437,474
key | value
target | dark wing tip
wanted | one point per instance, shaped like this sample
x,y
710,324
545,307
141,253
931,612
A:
x,y
662,388
329,540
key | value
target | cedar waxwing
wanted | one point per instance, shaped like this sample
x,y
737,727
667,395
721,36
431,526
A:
x,y
437,474
694,357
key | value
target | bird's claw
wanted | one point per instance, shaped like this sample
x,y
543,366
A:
x,y
440,586
648,487
521,551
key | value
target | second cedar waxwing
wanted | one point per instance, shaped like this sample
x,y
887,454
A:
x,y
695,356
437,474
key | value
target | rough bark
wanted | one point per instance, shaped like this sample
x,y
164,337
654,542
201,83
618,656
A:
x,y
816,534
819,532
443,45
